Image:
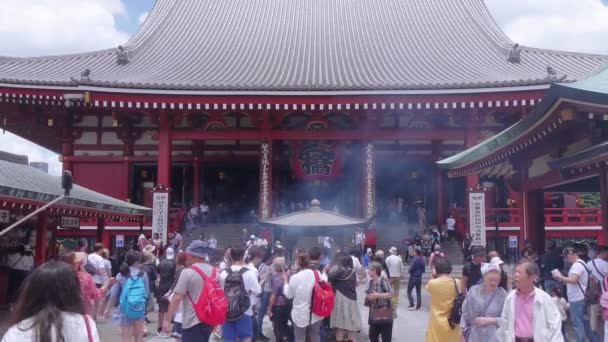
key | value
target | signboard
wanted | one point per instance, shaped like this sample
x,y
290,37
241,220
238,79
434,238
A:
x,y
5,216
120,240
512,241
477,218
316,160
160,215
69,222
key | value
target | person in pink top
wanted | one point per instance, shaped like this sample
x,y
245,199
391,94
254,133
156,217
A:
x,y
529,313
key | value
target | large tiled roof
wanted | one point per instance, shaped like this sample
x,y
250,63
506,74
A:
x,y
592,90
304,45
315,217
29,183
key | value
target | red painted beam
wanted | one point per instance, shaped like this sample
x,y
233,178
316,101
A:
x,y
380,134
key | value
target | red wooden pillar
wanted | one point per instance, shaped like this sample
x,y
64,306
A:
x,y
439,184
471,138
265,211
603,238
67,152
102,235
196,181
533,218
164,151
42,221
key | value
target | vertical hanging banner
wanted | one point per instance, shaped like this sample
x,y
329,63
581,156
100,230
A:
x,y
160,215
477,218
265,180
369,181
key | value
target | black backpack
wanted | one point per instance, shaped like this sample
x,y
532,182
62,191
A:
x,y
456,312
238,298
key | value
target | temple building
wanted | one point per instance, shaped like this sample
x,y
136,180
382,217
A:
x,y
256,108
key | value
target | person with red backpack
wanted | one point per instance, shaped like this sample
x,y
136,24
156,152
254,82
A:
x,y
242,288
204,303
313,298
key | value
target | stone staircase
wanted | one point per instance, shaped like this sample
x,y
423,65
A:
x,y
452,251
226,234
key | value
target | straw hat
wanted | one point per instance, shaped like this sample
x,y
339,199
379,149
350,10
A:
x,y
148,258
149,249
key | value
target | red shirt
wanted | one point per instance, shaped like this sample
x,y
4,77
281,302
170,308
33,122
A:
x,y
524,315
89,291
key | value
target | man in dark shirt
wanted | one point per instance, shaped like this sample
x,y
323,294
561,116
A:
x,y
471,272
550,261
417,268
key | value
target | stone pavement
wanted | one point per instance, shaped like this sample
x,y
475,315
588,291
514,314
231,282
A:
x,y
409,325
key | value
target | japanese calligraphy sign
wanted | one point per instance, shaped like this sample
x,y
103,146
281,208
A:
x,y
160,214
69,222
265,180
369,181
477,218
316,160
5,216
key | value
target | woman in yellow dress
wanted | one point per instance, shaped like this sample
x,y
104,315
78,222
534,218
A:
x,y
443,294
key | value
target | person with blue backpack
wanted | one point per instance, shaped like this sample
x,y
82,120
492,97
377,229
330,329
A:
x,y
130,293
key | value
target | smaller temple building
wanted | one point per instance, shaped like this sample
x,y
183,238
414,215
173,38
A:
x,y
561,146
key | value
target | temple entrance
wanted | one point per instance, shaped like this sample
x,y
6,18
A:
x,y
143,179
333,175
402,187
231,190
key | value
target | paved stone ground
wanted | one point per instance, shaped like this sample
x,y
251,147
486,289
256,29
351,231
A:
x,y
409,325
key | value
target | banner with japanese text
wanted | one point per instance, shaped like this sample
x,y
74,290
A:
x,y
316,160
477,218
160,215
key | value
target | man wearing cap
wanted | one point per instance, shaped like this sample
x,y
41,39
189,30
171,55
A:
x,y
599,270
191,283
576,285
394,263
471,272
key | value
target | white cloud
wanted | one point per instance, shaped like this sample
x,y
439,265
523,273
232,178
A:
x,y
17,145
41,27
580,25
142,17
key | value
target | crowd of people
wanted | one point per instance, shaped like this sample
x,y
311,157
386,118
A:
x,y
311,296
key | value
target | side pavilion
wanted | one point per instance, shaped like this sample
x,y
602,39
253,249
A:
x,y
561,145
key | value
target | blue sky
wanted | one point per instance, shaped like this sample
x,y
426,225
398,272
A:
x,y
135,8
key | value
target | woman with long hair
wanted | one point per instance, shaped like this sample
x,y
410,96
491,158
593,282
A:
x,y
345,317
89,291
40,317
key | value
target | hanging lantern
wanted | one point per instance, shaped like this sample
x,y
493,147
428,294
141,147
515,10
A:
x,y
50,122
114,119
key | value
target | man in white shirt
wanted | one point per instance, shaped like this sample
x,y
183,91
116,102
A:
x,y
96,260
359,241
212,241
450,223
394,263
599,270
242,328
299,288
576,285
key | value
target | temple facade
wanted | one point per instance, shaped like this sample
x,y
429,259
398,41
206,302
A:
x,y
255,108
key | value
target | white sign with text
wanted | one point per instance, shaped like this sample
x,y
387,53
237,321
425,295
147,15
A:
x,y
477,217
160,215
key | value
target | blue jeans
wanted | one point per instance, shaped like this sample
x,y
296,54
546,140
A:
x,y
580,322
550,284
265,300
